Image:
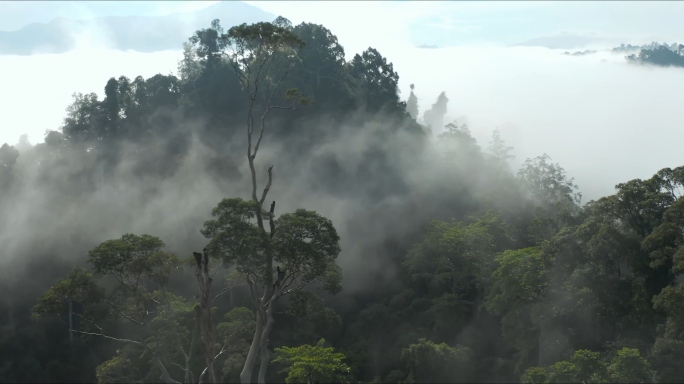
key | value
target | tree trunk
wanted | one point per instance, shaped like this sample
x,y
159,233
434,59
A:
x,y
205,321
248,368
265,355
165,377
188,358
71,325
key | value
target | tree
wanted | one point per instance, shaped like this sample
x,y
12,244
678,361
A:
x,y
322,56
79,287
498,147
661,55
210,46
378,80
535,375
517,288
626,366
140,298
434,117
412,104
8,158
629,367
302,246
83,118
553,196
547,182
235,332
189,68
429,362
313,364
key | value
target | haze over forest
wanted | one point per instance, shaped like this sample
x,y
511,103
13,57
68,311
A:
x,y
224,191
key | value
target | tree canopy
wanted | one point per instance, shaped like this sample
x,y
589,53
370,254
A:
x,y
283,169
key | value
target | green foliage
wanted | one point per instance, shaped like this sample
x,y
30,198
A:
x,y
584,367
517,288
252,51
313,364
133,260
305,243
412,104
553,277
313,320
498,147
660,55
125,367
452,256
235,237
430,362
627,366
8,158
378,78
563,372
296,97
518,280
589,367
553,196
308,243
236,332
434,117
79,287
535,375
548,183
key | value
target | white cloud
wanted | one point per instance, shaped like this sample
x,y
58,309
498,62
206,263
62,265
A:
x,y
604,121
37,89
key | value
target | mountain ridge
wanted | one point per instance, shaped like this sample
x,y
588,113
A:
x,y
59,35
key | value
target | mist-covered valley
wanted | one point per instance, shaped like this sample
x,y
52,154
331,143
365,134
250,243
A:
x,y
459,214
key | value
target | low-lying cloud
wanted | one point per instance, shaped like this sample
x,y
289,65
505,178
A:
x,y
602,119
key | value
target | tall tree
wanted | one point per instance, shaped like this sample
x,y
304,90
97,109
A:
x,y
313,364
303,244
434,117
498,147
412,104
377,80
140,298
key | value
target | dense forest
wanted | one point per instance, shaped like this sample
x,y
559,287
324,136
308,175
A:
x,y
276,213
661,55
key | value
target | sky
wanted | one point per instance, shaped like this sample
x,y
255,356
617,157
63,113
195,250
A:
x,y
604,121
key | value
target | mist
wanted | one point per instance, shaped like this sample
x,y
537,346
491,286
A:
x,y
595,115
592,114
599,117
603,120
48,81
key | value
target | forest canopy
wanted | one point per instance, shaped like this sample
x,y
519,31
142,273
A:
x,y
276,212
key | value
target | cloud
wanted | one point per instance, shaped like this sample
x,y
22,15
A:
x,y
604,120
38,88
596,115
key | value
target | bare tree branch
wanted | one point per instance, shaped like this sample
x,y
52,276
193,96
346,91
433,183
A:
x,y
268,185
123,314
165,374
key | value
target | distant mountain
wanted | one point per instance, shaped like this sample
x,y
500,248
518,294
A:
x,y
580,53
427,46
17,14
561,41
658,54
138,33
